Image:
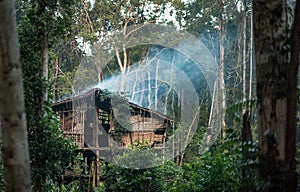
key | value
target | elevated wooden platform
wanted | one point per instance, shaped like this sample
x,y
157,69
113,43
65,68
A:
x,y
91,122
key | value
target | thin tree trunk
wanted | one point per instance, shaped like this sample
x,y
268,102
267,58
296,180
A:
x,y
122,69
213,106
12,109
156,87
188,137
176,146
170,89
167,100
56,70
239,56
142,91
222,69
149,90
244,55
251,55
134,89
45,63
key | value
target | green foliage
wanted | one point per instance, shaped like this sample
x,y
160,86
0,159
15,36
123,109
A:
x,y
50,20
229,166
132,179
66,80
77,178
220,169
50,153
159,178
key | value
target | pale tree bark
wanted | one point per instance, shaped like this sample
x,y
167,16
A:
x,y
45,63
270,36
239,56
149,88
12,109
251,55
222,69
244,54
169,90
156,86
123,64
56,70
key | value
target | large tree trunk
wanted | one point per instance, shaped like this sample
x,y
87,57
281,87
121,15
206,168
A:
x,y
270,36
290,149
12,109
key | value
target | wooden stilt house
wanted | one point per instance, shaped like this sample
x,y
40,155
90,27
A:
x,y
94,122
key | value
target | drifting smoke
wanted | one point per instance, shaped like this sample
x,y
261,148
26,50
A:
x,y
150,82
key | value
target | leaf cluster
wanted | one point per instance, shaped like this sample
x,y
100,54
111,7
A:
x,y
159,178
